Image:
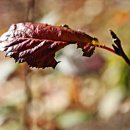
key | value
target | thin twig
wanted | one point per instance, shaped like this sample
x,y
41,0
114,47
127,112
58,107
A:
x,y
30,11
30,17
118,47
28,98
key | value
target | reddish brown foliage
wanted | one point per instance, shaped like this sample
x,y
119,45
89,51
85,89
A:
x,y
37,44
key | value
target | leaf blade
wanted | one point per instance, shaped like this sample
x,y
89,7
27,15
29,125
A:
x,y
37,44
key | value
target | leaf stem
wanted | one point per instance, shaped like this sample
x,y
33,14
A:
x,y
105,47
123,55
117,47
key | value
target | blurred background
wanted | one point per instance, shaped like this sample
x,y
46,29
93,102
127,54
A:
x,y
81,93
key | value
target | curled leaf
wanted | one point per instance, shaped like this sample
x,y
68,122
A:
x,y
37,44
